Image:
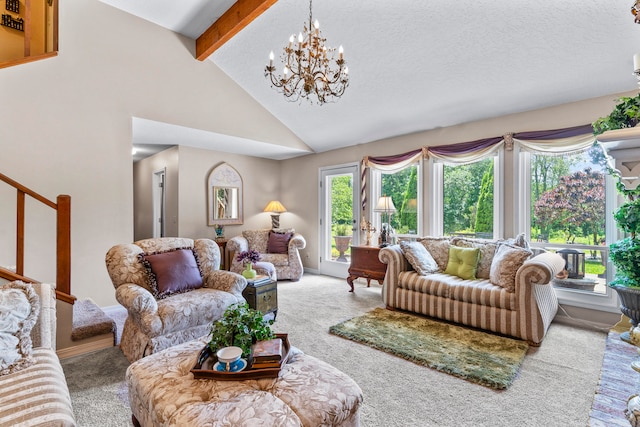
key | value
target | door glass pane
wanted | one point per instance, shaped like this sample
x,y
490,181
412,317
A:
x,y
341,208
468,199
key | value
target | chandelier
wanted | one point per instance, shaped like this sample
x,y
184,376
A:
x,y
635,9
310,67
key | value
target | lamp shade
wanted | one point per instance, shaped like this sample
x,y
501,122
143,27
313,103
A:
x,y
274,206
385,205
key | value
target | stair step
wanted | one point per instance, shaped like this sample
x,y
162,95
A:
x,y
89,321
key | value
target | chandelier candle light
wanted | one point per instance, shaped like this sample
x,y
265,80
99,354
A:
x,y
310,67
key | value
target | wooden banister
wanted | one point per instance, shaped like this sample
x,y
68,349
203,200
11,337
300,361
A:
x,y
62,206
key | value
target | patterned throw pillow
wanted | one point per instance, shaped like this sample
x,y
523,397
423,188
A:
x,y
172,272
487,251
19,308
419,258
257,239
438,247
463,262
506,262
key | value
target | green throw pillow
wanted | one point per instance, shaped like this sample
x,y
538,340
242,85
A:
x,y
463,262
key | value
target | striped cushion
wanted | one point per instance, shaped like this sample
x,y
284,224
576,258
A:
x,y
37,395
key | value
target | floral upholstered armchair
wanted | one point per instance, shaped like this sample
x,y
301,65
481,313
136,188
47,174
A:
x,y
172,289
279,247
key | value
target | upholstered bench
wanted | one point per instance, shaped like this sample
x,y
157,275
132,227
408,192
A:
x,y
308,392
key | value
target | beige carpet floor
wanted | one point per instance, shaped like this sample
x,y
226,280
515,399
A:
x,y
555,386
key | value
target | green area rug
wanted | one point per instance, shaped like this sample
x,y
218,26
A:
x,y
476,356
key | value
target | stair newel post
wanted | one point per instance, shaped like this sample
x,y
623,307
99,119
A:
x,y
63,245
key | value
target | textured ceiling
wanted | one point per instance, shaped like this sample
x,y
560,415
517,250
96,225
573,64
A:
x,y
420,65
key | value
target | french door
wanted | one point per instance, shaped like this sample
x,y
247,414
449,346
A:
x,y
339,202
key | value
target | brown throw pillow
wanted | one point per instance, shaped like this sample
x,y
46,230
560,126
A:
x,y
172,272
278,243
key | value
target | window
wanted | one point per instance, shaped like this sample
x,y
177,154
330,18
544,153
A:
x,y
567,211
468,199
403,188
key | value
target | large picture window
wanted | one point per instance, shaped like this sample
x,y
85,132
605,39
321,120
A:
x,y
568,212
402,187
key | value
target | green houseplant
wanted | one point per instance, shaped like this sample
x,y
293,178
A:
x,y
240,326
626,114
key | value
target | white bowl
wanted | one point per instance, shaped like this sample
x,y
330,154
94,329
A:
x,y
229,354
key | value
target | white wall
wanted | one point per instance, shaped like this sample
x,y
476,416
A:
x,y
66,128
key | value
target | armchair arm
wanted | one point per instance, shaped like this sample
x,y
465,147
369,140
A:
x,y
297,242
142,307
237,244
225,281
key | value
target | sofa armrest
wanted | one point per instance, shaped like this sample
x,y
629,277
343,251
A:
x,y
540,269
396,263
297,242
43,333
225,281
141,306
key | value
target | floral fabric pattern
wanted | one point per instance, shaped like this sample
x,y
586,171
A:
x,y
19,307
438,247
155,324
308,392
506,262
288,266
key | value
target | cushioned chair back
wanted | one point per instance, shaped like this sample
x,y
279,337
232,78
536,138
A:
x,y
124,266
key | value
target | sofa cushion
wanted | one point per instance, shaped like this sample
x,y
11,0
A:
x,y
419,257
257,239
278,243
506,262
19,308
487,251
172,272
438,247
278,260
463,262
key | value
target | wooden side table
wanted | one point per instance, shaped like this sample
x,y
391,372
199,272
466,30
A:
x,y
365,263
262,297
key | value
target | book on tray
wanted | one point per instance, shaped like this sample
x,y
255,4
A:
x,y
267,354
259,279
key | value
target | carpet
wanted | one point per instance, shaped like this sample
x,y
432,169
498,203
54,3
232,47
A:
x,y
476,356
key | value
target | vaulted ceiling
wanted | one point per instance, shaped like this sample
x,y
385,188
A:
x,y
420,65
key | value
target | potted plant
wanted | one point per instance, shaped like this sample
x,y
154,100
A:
x,y
248,258
240,326
625,255
626,114
342,239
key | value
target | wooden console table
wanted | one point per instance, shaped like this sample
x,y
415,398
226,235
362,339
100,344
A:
x,y
365,263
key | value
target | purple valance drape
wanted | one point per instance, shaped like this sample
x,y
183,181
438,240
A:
x,y
465,147
541,135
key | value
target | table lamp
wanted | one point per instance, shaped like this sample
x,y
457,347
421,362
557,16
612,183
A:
x,y
385,206
276,208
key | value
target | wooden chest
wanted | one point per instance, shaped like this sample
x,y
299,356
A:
x,y
365,263
262,297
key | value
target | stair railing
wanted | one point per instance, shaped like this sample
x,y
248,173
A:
x,y
62,206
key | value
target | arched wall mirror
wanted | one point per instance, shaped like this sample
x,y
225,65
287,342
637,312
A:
x,y
224,189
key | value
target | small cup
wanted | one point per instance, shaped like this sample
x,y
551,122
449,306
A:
x,y
228,355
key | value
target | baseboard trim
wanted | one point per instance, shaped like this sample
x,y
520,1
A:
x,y
88,347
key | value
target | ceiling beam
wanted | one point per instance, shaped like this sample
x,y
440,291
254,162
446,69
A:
x,y
228,25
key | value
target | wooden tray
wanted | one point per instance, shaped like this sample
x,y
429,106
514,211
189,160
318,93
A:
x,y
247,374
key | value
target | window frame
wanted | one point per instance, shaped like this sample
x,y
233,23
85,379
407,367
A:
x,y
436,187
522,195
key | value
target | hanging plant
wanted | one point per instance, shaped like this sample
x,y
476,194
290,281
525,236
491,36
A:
x,y
626,114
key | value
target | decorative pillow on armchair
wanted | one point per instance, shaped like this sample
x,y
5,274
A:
x,y
278,243
463,262
19,308
257,239
419,258
506,262
172,272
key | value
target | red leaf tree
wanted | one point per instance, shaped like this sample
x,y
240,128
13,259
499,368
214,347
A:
x,y
575,205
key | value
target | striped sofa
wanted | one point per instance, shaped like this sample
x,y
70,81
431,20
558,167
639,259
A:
x,y
525,313
38,395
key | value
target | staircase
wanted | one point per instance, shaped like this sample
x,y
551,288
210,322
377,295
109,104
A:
x,y
91,329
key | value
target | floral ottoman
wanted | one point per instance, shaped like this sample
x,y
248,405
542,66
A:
x,y
308,392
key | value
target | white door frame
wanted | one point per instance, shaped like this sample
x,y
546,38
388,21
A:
x,y
159,183
326,265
